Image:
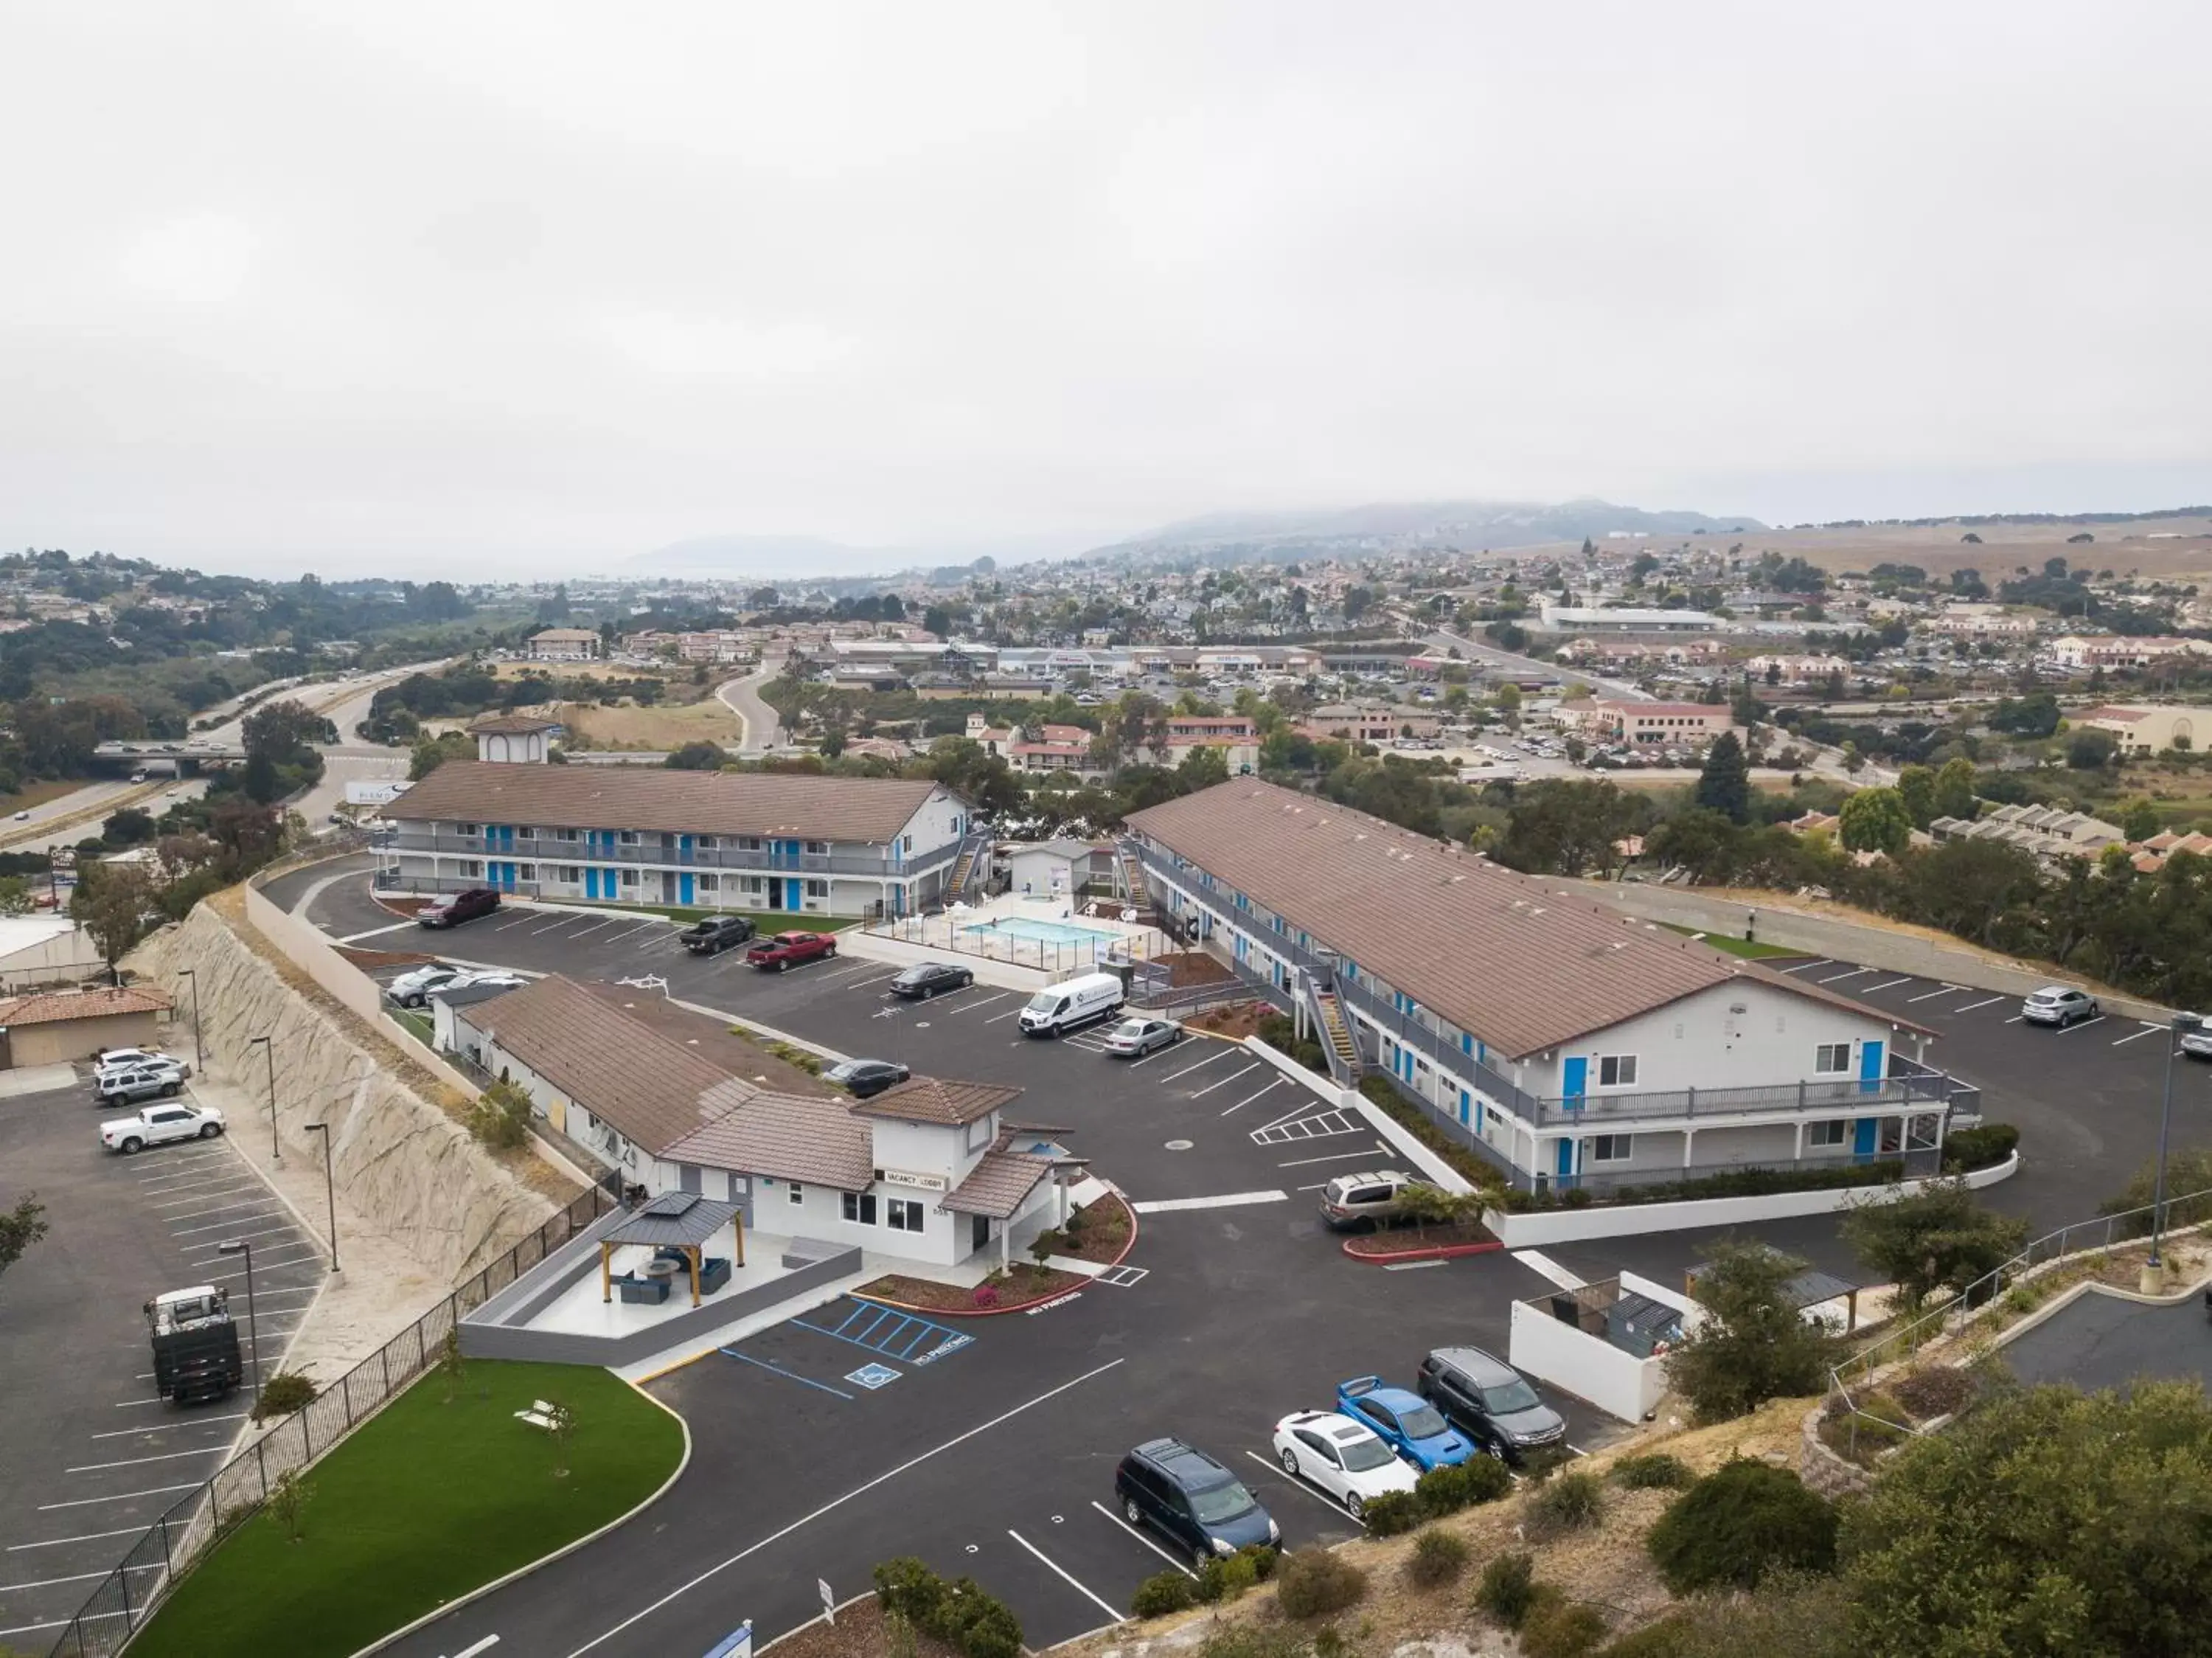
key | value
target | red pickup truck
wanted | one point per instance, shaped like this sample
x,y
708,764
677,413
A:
x,y
785,949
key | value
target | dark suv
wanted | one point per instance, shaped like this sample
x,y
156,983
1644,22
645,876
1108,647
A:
x,y
452,909
1194,1501
1491,1402
716,934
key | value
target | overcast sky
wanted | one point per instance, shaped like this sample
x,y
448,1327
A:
x,y
476,289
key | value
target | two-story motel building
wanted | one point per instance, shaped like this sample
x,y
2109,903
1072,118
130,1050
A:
x,y
731,840
1568,1043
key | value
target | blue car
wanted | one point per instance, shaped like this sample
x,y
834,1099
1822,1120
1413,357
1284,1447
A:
x,y
1408,1423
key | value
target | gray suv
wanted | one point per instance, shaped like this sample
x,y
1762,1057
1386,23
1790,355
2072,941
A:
x,y
128,1086
1491,1402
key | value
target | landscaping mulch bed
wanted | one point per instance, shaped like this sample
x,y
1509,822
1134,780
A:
x,y
368,960
1236,1023
403,907
857,1633
1188,969
1024,1284
1105,1234
1406,1240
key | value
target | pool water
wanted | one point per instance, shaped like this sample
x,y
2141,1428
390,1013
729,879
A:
x,y
1044,932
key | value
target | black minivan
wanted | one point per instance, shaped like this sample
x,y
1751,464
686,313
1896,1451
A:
x,y
1194,1501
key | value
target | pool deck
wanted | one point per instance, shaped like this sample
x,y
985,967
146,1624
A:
x,y
986,930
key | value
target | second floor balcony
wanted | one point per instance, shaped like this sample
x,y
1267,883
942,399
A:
x,y
669,851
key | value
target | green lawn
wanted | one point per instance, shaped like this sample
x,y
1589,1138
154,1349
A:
x,y
1728,945
423,1504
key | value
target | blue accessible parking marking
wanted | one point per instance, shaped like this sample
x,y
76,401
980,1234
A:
x,y
885,1330
872,1377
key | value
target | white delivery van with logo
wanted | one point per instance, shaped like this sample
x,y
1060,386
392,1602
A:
x,y
1058,1008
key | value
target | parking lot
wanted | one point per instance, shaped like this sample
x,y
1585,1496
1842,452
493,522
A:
x,y
89,1455
996,1456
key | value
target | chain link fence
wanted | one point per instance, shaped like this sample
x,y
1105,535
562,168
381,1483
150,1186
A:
x,y
175,1542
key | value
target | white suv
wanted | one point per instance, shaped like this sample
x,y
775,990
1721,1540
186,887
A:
x,y
2060,1005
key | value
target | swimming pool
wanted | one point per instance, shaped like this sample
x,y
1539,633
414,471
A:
x,y
1043,932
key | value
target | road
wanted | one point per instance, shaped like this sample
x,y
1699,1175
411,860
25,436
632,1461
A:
x,y
741,698
1479,651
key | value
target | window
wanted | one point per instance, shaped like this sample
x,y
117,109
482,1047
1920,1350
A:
x,y
629,877
1611,1148
860,1207
1617,1070
754,883
525,872
471,869
468,829
626,837
798,1192
571,874
567,834
817,889
749,843
706,843
524,832
1832,1059
1826,1134
818,845
906,843
905,1214
709,883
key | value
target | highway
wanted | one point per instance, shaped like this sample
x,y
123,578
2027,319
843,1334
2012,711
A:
x,y
1482,651
741,698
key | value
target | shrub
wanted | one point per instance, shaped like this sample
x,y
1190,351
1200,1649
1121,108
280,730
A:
x,y
987,1295
908,1588
1162,1592
1863,1436
1664,1639
1508,1589
285,1392
1317,1582
1567,1502
1438,1558
1255,1641
1655,1471
1971,1148
501,1117
1264,1560
1577,1196
1557,1627
1226,1580
1739,1523
1391,1513
1934,1390
1447,1489
959,1614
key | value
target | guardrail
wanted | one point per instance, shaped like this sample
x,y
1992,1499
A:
x,y
184,1532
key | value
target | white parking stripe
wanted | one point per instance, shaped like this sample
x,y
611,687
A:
x,y
78,1577
1889,985
219,1226
2147,1030
1299,1481
1138,1535
883,978
1065,1577
133,1462
970,1007
2016,1018
1301,1162
247,1184
1250,1098
1836,978
582,932
216,1209
1227,1079
1948,990
82,1537
1807,967
2069,1030
1971,1005
210,1249
996,1017
181,1421
119,1497
373,932
846,972
1226,1200
1218,1053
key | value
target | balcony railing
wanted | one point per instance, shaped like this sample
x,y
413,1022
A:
x,y
1908,1084
542,849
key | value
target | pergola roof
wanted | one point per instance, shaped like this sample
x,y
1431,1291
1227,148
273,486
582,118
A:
x,y
674,1220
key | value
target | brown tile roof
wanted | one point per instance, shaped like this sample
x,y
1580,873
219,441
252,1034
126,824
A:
x,y
789,1136
864,809
652,1088
51,1007
713,1040
997,1184
1515,959
933,1100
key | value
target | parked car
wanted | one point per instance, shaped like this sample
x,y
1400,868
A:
x,y
412,989
123,1058
452,909
1489,1400
1192,1499
1346,1460
1058,1008
774,954
864,1078
1408,1423
927,978
2060,1005
2196,1040
158,1125
716,934
132,1083
1361,1203
1135,1038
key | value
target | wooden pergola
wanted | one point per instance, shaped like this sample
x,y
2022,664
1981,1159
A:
x,y
681,1221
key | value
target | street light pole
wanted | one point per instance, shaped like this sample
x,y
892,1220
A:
x,y
240,1247
199,1058
329,1190
2184,1023
276,1149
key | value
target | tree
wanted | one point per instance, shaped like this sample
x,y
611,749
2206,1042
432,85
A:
x,y
1356,602
284,731
14,896
20,1228
1938,1238
1916,785
288,1501
1752,1344
1201,768
2140,822
2091,750
1725,785
1877,821
1566,827
2046,1521
559,1428
698,757
452,1363
1955,790
118,905
431,753
938,620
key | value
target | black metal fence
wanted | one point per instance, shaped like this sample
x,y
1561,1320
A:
x,y
176,1541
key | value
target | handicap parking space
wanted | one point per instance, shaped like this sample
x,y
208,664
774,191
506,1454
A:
x,y
90,1454
851,1347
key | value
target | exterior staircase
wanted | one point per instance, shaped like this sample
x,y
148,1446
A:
x,y
964,869
1132,875
1325,1013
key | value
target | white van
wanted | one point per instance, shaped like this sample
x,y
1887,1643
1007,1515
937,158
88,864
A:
x,y
1059,1008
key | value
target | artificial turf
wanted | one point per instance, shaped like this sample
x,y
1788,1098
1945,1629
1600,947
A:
x,y
422,1503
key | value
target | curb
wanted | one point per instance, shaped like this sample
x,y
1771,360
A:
x,y
566,1549
1433,1253
1039,1300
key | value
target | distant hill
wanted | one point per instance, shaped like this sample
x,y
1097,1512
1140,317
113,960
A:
x,y
1470,525
798,557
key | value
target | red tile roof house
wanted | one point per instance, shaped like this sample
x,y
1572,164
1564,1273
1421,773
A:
x,y
929,1170
53,1027
1564,1041
717,840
